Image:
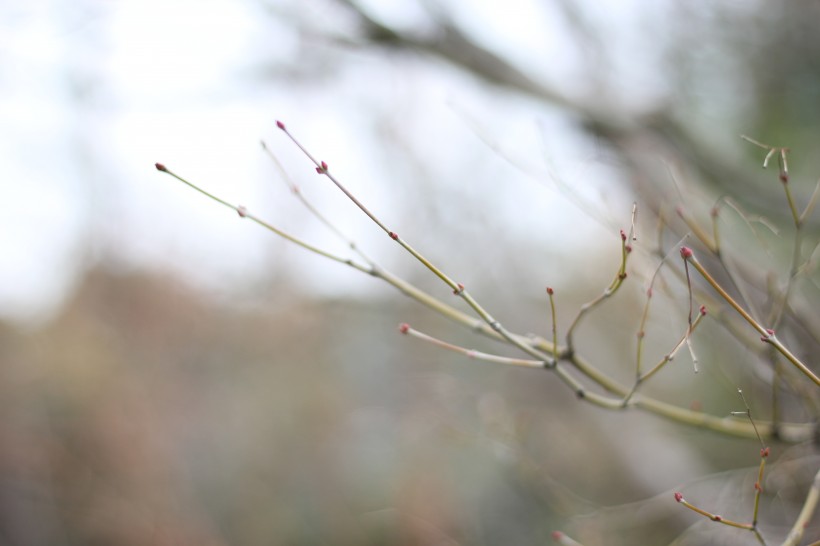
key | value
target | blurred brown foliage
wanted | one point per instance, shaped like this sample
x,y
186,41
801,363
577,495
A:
x,y
146,413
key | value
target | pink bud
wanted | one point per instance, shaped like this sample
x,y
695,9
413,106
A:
x,y
550,291
678,496
160,167
280,124
241,211
717,518
685,252
557,535
394,235
764,452
702,309
623,235
404,327
324,166
784,177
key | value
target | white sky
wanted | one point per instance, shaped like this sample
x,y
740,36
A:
x,y
93,94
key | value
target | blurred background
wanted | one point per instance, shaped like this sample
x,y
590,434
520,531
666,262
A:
x,y
171,374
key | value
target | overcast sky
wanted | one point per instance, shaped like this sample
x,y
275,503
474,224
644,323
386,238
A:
x,y
92,94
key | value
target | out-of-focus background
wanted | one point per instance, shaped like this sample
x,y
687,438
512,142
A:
x,y
171,374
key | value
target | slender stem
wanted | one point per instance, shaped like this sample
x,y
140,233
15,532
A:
x,y
470,353
758,489
802,522
715,517
698,231
551,295
613,287
811,204
768,336
309,206
242,211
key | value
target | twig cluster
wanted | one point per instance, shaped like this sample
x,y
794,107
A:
x,y
562,356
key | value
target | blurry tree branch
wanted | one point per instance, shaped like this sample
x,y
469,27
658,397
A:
x,y
626,132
